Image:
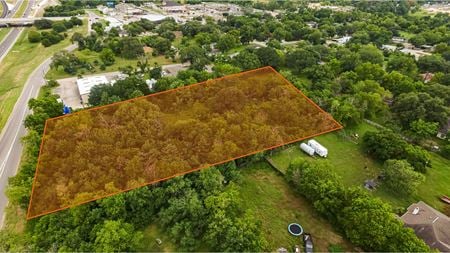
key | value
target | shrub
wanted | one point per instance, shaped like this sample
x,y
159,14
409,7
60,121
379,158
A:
x,y
34,36
59,27
43,24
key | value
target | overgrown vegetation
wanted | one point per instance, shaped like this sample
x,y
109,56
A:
x,y
366,221
354,81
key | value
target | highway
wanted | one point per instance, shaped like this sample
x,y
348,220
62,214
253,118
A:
x,y
4,22
7,43
14,130
10,137
11,134
4,10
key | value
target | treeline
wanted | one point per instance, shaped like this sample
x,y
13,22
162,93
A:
x,y
366,221
57,34
69,8
199,210
153,138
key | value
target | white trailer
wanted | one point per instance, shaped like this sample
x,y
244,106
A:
x,y
319,149
307,149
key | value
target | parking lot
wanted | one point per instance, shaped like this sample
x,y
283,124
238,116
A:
x,y
69,93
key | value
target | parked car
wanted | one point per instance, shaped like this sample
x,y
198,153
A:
x,y
307,240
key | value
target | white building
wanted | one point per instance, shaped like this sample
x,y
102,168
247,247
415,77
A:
x,y
343,40
112,23
85,85
153,17
389,48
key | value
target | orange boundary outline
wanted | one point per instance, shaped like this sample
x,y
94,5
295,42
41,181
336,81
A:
x,y
339,126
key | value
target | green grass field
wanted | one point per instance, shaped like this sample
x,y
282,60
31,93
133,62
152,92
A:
x,y
120,62
4,32
21,9
350,162
17,66
272,200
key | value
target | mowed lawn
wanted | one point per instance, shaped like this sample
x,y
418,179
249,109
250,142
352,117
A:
x,y
20,62
271,199
120,62
354,166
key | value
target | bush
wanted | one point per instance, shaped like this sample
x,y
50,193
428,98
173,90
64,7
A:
x,y
43,24
46,43
51,38
445,152
34,36
385,145
59,27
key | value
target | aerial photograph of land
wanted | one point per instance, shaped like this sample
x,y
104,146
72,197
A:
x,y
224,126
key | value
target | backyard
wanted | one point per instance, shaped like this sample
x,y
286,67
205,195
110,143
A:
x,y
272,200
354,167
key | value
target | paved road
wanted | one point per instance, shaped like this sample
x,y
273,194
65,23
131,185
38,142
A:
x,y
4,10
24,21
10,145
11,150
7,43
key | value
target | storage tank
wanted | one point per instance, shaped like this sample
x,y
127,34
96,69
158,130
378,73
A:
x,y
307,149
319,149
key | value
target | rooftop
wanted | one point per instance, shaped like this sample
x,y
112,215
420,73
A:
x,y
85,84
429,224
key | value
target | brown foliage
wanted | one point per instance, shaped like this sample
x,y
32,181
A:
x,y
99,152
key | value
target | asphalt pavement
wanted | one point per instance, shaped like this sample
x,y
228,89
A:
x,y
13,131
4,10
7,43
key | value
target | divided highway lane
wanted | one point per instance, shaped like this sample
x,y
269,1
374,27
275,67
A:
x,y
10,138
13,35
4,10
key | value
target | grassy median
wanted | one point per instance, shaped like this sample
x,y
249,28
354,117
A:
x,y
19,13
20,62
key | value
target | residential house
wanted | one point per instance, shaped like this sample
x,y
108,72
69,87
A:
x,y
429,224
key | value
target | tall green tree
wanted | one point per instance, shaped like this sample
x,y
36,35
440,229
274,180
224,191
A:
x,y
400,177
117,236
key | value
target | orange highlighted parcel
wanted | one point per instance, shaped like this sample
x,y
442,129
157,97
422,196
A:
x,y
106,150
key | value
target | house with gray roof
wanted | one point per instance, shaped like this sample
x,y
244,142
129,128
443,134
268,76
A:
x,y
429,224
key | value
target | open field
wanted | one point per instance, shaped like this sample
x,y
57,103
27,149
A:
x,y
20,62
120,62
350,162
267,194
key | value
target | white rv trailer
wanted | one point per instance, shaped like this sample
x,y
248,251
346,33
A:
x,y
307,149
319,149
